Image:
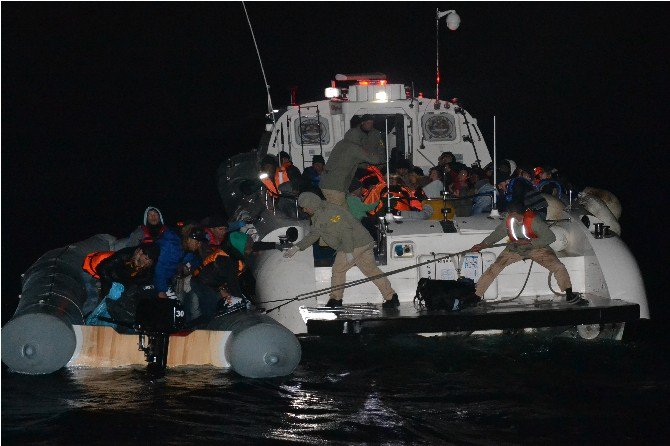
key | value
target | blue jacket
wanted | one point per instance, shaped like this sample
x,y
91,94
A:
x,y
172,254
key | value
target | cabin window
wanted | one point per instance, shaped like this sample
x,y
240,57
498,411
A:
x,y
438,127
308,130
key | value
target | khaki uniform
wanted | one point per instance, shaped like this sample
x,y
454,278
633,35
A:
x,y
346,235
355,148
538,250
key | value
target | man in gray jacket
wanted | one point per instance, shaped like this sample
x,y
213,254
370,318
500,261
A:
x,y
353,243
361,144
530,238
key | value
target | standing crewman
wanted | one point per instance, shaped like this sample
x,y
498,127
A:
x,y
361,144
353,243
530,238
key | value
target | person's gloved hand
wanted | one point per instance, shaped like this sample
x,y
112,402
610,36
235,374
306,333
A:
x,y
350,257
116,290
281,247
291,251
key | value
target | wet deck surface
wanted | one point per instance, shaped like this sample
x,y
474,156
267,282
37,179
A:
x,y
519,313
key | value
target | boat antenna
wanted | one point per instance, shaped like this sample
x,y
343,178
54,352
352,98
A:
x,y
453,22
494,208
388,170
265,79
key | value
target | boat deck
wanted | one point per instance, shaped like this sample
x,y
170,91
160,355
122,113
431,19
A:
x,y
524,312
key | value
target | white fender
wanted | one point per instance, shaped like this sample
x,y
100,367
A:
x,y
608,198
556,208
561,241
599,209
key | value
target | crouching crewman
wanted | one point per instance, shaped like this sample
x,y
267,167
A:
x,y
353,243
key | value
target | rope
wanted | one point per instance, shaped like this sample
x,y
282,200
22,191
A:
x,y
322,291
267,86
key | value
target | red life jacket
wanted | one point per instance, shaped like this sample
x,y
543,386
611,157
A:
x,y
527,229
212,258
146,234
213,241
92,260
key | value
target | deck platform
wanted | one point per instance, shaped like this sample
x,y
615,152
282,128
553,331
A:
x,y
524,312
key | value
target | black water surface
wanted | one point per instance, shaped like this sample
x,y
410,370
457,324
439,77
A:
x,y
368,390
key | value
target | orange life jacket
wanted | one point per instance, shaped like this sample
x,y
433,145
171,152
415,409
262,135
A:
x,y
407,200
281,177
377,193
372,172
212,257
92,261
281,174
526,228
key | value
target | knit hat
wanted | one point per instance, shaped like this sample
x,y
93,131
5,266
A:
x,y
367,117
318,159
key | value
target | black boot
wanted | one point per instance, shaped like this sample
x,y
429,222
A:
x,y
471,300
574,298
393,302
334,303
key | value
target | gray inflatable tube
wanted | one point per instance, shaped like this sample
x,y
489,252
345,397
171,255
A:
x,y
258,346
39,338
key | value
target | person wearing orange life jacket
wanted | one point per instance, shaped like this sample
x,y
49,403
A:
x,y
405,202
215,285
530,238
282,183
129,268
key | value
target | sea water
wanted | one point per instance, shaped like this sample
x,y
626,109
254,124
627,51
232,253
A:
x,y
512,389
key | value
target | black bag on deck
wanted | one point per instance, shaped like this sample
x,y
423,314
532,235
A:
x,y
448,295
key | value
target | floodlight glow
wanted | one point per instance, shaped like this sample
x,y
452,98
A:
x,y
332,92
263,176
381,96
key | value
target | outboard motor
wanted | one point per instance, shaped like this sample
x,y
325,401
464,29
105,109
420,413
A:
x,y
155,320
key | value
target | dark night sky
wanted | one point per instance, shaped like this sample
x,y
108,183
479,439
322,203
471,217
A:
x,y
110,107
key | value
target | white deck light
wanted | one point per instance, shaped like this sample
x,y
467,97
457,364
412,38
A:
x,y
332,92
381,96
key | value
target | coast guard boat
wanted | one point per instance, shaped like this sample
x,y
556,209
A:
x,y
524,295
48,332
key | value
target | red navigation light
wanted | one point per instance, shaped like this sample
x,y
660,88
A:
x,y
420,95
408,93
454,100
438,78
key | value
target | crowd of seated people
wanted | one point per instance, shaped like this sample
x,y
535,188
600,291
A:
x,y
204,264
469,190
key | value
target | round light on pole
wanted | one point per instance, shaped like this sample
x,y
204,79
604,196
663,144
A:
x,y
453,21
